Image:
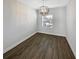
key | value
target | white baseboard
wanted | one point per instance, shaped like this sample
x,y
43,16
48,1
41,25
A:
x,y
52,33
69,42
14,45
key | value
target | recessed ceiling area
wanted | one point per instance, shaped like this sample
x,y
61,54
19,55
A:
x,y
50,3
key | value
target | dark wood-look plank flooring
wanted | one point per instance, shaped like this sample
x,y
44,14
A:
x,y
41,46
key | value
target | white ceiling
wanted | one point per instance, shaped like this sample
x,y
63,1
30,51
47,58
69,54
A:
x,y
50,3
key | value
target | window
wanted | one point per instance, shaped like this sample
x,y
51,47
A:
x,y
47,21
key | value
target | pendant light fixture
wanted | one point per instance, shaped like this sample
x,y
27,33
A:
x,y
43,9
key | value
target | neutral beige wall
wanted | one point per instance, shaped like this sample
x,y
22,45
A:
x,y
19,22
59,22
71,25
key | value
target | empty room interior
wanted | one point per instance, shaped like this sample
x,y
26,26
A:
x,y
39,29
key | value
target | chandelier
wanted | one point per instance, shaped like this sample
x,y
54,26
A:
x,y
43,9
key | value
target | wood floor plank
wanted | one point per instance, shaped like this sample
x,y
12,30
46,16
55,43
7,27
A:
x,y
41,46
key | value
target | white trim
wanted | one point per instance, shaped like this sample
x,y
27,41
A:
x,y
14,45
52,33
69,42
